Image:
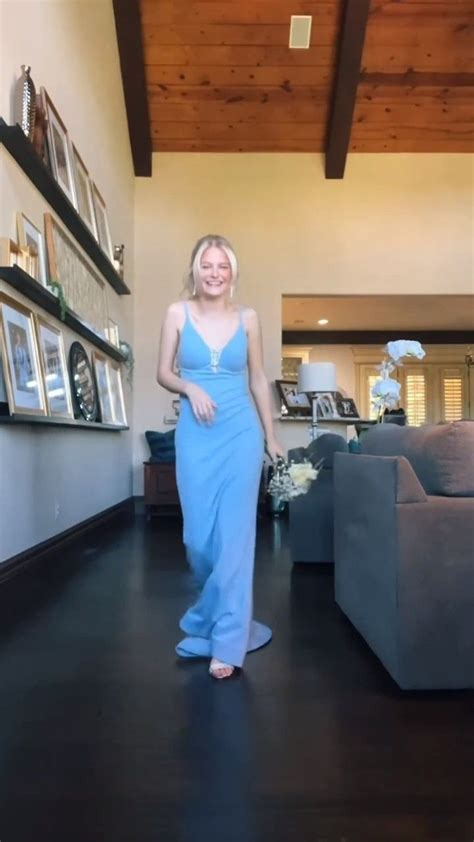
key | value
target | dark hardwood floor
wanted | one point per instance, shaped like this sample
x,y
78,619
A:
x,y
106,735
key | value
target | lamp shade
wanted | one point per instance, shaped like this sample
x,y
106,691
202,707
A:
x,y
317,377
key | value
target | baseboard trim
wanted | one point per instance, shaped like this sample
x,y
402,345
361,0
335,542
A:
x,y
22,561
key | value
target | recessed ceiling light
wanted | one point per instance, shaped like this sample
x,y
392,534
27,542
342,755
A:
x,y
323,321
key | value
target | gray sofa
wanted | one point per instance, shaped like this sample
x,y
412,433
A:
x,y
404,550
311,516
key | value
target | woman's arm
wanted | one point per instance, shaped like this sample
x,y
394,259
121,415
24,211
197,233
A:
x,y
259,385
202,405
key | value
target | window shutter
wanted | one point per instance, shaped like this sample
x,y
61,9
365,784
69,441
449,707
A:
x,y
371,381
452,394
415,398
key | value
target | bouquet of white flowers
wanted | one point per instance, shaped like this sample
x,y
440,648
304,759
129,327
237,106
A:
x,y
386,390
290,479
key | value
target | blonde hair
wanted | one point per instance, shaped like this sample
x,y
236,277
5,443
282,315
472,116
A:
x,y
202,244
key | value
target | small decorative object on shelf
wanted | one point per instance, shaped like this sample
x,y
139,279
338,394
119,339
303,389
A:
x,y
58,290
82,381
129,360
24,109
291,479
118,259
386,390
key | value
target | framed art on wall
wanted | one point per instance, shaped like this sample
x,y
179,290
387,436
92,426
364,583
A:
x,y
84,290
85,202
101,371
103,232
53,360
29,236
82,382
116,391
60,154
21,364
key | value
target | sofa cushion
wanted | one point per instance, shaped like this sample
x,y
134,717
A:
x,y
442,455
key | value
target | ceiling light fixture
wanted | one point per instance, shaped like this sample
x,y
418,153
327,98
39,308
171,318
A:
x,y
323,321
300,32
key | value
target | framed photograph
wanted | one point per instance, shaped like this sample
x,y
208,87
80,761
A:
x,y
326,405
54,367
103,233
21,363
293,402
346,407
116,391
101,371
59,148
83,184
29,236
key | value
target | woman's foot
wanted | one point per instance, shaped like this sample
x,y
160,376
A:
x,y
220,670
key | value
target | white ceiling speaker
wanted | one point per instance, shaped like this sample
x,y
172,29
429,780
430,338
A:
x,y
300,32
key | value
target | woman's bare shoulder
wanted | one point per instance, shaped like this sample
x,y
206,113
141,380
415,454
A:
x,y
249,316
176,313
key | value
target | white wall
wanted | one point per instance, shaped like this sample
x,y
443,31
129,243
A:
x,y
72,49
394,224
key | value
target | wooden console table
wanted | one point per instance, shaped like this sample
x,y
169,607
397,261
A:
x,y
161,491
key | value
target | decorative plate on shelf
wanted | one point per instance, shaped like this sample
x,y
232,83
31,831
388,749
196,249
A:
x,y
82,382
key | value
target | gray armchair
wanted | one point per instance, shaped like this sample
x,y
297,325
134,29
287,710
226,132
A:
x,y
404,550
311,516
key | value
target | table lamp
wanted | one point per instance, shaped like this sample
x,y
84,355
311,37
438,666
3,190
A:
x,y
314,378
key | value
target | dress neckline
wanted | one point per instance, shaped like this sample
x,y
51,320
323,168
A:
x,y
201,337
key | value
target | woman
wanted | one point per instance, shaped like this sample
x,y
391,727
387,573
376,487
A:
x,y
219,452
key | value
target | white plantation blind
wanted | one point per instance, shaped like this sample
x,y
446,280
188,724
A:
x,y
452,394
414,398
371,381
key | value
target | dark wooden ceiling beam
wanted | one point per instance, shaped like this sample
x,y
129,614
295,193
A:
x,y
375,337
351,45
132,65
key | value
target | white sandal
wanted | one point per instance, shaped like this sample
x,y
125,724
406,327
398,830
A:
x,y
216,665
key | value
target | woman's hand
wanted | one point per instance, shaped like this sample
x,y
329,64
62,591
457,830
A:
x,y
274,449
202,404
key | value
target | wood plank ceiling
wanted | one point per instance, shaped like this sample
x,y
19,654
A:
x,y
221,78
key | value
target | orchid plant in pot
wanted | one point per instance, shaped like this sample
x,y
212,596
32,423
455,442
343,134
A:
x,y
386,390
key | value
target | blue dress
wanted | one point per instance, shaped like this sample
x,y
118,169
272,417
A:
x,y
218,470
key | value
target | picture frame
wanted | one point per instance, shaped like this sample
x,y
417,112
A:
x,y
29,236
102,379
292,403
116,391
346,407
83,386
326,406
21,361
103,232
59,148
84,198
112,333
10,253
54,368
84,289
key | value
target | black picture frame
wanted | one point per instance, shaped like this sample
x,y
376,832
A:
x,y
83,386
294,404
346,407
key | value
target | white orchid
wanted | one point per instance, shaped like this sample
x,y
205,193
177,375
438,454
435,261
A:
x,y
404,348
386,391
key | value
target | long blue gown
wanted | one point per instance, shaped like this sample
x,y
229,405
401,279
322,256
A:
x,y
218,470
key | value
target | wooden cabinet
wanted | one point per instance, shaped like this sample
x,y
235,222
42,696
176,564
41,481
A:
x,y
161,491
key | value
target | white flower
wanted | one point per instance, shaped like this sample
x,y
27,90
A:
x,y
386,392
404,348
291,480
